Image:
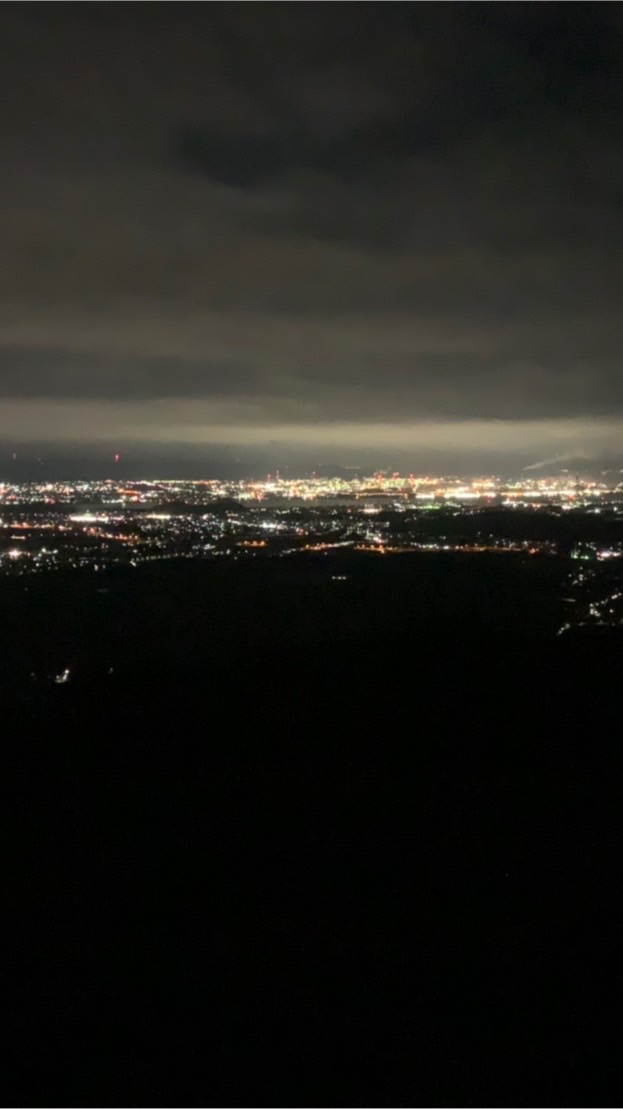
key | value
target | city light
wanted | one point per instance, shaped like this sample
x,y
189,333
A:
x,y
91,526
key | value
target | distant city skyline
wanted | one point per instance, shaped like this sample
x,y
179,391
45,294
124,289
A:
x,y
34,462
93,526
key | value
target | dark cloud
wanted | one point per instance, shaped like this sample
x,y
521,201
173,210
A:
x,y
57,373
310,215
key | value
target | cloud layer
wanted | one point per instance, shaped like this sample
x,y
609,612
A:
x,y
313,218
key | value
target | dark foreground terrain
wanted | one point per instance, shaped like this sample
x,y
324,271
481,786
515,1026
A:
x,y
344,831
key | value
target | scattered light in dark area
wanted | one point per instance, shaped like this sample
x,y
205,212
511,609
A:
x,y
311,552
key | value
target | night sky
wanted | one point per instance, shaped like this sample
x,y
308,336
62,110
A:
x,y
311,232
